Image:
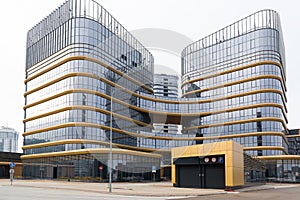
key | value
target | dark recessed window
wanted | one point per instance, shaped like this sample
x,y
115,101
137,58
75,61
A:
x,y
123,57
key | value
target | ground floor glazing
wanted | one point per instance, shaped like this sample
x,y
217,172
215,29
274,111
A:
x,y
93,167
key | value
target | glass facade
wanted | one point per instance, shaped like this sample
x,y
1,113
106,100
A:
x,y
92,165
283,169
167,86
75,58
294,141
87,75
241,70
8,139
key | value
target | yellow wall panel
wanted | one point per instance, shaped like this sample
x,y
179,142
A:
x,y
238,159
229,181
238,176
173,174
228,159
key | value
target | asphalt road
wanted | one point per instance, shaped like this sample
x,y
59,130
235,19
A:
x,y
292,193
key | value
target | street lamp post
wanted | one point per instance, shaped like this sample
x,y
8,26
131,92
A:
x,y
110,161
110,144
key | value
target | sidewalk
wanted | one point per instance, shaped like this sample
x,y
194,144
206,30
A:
x,y
159,189
154,189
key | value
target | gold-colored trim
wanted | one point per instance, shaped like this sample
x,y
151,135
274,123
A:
x,y
268,62
111,83
50,68
246,135
55,96
78,107
92,60
74,124
238,82
118,86
239,122
150,98
75,141
53,81
243,94
90,151
181,114
151,111
279,157
248,107
79,141
72,74
84,141
55,57
7,163
292,136
266,148
89,92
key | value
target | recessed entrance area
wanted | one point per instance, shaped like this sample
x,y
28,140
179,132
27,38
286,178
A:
x,y
215,165
201,172
54,172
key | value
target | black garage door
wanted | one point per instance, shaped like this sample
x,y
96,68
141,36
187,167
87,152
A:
x,y
214,176
195,173
189,176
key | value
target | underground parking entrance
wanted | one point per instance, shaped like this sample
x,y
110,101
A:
x,y
217,165
201,172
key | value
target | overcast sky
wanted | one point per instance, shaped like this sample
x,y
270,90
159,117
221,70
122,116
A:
x,y
194,19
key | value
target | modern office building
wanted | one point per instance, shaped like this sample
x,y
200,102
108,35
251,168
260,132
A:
x,y
75,57
89,82
8,140
167,86
294,141
240,75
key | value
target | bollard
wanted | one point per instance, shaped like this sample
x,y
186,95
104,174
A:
x,y
11,173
